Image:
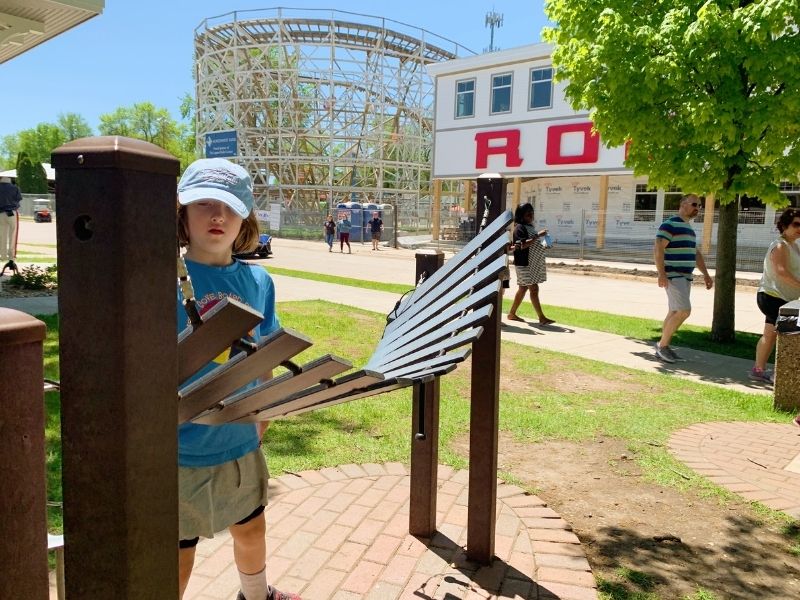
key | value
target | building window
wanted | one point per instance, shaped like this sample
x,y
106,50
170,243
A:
x,y
501,93
465,98
644,203
752,211
792,193
541,93
672,199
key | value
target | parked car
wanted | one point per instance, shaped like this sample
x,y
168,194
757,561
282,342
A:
x,y
263,250
41,211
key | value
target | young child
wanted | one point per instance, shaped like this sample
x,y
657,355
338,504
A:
x,y
344,227
222,472
330,232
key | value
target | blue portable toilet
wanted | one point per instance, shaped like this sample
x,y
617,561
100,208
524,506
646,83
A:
x,y
356,219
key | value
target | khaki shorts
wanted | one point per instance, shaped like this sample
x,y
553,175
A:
x,y
214,498
678,293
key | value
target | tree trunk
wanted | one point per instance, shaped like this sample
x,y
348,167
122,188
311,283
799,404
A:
x,y
723,326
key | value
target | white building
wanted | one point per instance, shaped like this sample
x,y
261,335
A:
x,y
502,112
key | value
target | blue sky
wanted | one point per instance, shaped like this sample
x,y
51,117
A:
x,y
141,50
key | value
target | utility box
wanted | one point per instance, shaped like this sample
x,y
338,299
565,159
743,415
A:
x,y
787,358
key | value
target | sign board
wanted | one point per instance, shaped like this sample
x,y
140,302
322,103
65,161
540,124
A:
x,y
263,216
275,217
221,144
535,148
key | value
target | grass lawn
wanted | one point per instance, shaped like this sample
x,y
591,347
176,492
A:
x,y
534,405
688,336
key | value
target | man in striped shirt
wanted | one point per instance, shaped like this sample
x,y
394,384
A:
x,y
676,255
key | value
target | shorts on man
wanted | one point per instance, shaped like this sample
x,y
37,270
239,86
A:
x,y
678,294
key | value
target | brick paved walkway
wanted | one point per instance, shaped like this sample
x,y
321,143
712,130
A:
x,y
342,534
758,461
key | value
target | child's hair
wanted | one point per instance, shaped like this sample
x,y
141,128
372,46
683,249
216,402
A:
x,y
245,242
521,211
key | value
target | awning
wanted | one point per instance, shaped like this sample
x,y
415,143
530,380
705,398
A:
x,y
27,23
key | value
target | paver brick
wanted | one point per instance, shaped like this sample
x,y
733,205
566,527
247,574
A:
x,y
563,591
333,537
399,570
362,577
556,575
324,585
561,561
347,556
374,469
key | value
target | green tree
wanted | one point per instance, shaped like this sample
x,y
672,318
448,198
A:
x,y
144,121
31,177
38,142
73,126
708,92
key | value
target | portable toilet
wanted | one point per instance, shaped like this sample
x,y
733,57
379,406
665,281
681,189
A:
x,y
355,212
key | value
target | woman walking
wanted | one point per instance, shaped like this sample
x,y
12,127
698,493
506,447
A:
x,y
529,262
780,283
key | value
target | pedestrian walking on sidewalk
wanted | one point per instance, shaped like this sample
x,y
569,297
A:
x,y
10,199
676,255
344,227
330,232
529,262
780,283
222,473
375,228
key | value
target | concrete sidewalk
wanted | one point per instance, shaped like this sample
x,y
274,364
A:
x,y
702,367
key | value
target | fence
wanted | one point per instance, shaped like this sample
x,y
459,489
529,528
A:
x,y
308,224
26,206
610,236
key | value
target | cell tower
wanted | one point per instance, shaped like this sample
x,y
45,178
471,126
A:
x,y
493,20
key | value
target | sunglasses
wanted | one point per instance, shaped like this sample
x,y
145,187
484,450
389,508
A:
x,y
695,204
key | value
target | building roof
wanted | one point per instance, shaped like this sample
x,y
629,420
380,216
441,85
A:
x,y
50,171
27,23
491,59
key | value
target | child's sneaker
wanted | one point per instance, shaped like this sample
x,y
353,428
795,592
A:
x,y
761,375
278,595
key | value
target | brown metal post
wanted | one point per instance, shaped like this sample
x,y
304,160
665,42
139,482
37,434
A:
x,y
23,513
485,404
425,444
117,276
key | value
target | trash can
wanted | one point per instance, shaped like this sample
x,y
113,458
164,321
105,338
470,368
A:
x,y
787,358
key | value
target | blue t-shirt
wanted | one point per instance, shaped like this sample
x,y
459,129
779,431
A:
x,y
680,254
207,445
344,226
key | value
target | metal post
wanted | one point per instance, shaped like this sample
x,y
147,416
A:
x,y
602,211
485,405
117,274
23,513
583,233
425,450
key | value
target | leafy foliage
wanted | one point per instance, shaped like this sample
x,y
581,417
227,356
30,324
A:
x,y
708,92
31,177
144,121
38,142
35,278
